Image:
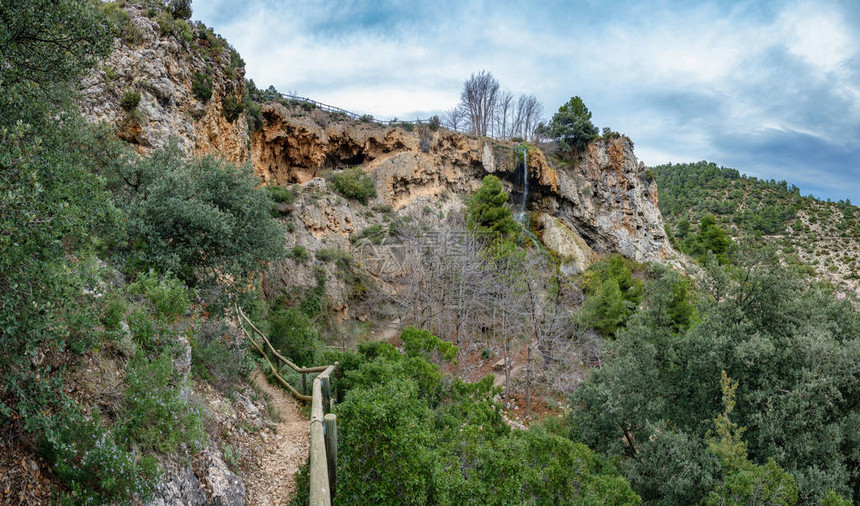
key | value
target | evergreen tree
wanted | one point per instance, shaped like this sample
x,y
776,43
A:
x,y
487,211
571,126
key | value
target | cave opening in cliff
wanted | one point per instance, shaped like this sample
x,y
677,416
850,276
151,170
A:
x,y
336,161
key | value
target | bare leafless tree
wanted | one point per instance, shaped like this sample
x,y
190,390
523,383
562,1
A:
x,y
527,115
504,109
478,98
456,119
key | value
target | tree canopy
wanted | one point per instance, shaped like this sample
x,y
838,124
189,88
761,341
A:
x,y
571,126
487,211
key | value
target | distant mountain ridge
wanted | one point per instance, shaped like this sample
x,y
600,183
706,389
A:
x,y
823,235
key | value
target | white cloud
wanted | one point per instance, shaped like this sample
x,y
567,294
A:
x,y
675,77
817,35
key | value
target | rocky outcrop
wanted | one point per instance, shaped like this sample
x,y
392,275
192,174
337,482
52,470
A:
x,y
574,254
610,203
602,203
207,480
162,68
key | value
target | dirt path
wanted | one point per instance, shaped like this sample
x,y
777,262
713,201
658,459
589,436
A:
x,y
274,479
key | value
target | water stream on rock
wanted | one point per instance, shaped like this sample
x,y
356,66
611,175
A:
x,y
525,153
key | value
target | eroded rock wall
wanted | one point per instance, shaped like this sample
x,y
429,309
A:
x,y
604,197
162,68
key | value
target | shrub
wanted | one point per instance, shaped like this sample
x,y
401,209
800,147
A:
x,y
294,335
184,30
340,257
143,329
254,114
218,357
157,417
236,60
354,184
233,107
89,460
130,100
114,311
282,195
202,219
299,254
434,123
180,9
201,86
168,295
374,233
165,23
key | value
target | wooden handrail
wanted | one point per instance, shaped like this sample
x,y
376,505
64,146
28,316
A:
x,y
300,370
323,454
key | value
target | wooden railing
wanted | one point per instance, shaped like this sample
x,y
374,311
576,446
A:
x,y
350,114
323,454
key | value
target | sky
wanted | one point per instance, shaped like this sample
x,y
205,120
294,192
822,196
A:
x,y
771,88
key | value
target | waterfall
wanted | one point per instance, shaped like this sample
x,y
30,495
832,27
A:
x,y
522,214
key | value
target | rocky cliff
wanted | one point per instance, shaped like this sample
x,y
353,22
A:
x,y
159,61
602,203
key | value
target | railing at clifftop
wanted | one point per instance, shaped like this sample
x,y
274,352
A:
x,y
350,114
323,454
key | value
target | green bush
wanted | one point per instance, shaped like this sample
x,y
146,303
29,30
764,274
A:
x,y
202,219
168,295
218,357
374,233
410,435
157,417
354,184
88,459
144,331
184,30
233,107
201,86
114,311
236,60
130,100
165,23
299,254
294,335
282,195
181,9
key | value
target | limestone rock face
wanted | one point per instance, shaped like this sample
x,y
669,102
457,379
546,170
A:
x,y
602,204
611,204
207,480
162,68
575,254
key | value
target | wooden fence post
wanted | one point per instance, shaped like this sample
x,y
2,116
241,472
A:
x,y
331,450
326,394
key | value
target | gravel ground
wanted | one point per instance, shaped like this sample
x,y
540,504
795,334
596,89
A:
x,y
273,480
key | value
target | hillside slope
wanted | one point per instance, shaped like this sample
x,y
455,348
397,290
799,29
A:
x,y
823,235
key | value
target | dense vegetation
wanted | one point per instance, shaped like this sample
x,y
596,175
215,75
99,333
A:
x,y
792,352
92,239
415,436
809,231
